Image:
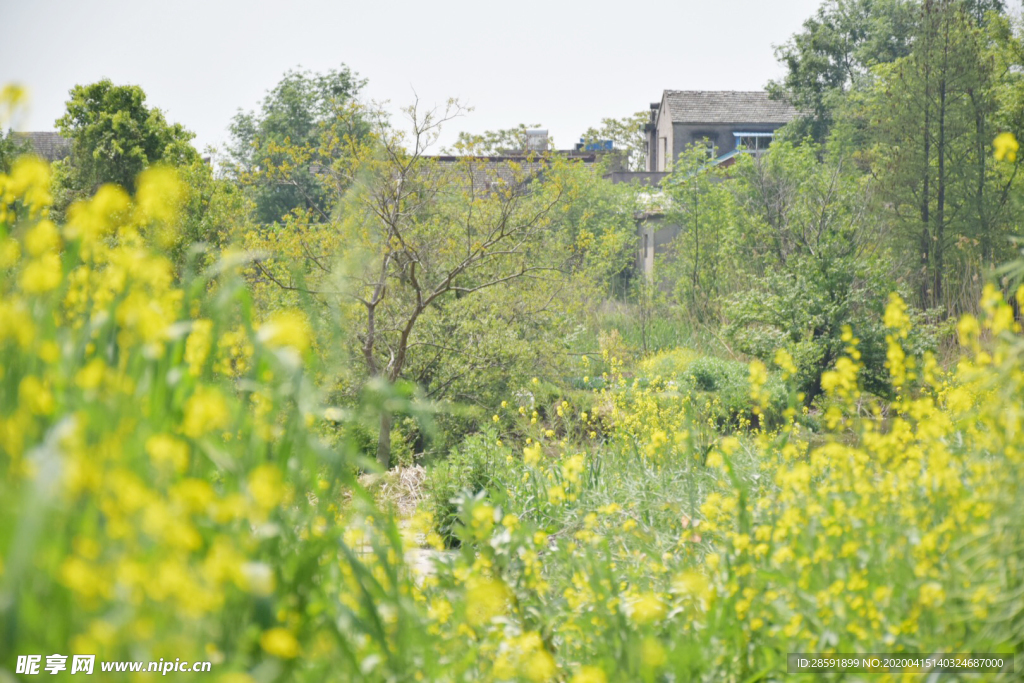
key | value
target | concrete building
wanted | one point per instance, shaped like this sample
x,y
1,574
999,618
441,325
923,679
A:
x,y
727,122
723,120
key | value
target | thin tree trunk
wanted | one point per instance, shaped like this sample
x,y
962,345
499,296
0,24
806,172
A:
x,y
925,245
384,440
940,198
981,153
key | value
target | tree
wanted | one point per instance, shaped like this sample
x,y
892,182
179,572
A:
x,y
834,53
703,208
114,137
495,142
278,150
936,113
429,257
808,264
627,135
11,147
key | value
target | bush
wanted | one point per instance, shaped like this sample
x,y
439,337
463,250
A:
x,y
860,540
719,389
668,364
793,312
473,466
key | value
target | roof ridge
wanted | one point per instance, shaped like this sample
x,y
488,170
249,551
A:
x,y
721,91
726,106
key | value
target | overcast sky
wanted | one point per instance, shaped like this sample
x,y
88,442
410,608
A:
x,y
564,65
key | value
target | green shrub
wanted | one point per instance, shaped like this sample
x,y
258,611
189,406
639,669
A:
x,y
726,384
720,387
403,440
473,466
670,363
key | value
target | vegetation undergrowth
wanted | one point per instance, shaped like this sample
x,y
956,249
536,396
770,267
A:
x,y
165,445
340,408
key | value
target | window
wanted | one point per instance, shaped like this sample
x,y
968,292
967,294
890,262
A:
x,y
664,154
755,143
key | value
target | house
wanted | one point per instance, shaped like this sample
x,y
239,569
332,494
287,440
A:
x,y
728,122
47,145
724,120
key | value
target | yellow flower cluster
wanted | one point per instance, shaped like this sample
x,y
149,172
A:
x,y
153,459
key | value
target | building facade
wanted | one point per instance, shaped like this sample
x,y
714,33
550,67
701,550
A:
x,y
728,123
724,120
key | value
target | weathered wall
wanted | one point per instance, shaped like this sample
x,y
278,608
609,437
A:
x,y
665,132
721,134
659,235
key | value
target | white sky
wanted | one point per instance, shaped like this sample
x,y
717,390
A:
x,y
564,65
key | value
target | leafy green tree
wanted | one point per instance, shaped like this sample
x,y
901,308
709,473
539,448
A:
x,y
807,264
627,135
11,147
450,273
703,207
277,151
834,53
935,113
114,137
214,212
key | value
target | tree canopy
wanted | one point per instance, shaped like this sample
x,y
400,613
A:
x,y
277,149
115,136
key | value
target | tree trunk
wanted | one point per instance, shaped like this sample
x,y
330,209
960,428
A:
x,y
940,153
926,240
384,440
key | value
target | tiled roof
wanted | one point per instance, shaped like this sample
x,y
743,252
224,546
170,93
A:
x,y
726,106
50,146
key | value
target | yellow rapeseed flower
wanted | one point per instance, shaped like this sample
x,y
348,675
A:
x,y
280,642
159,195
266,486
485,599
29,181
589,674
205,411
648,608
35,395
785,361
42,274
532,454
1006,147
652,653
556,495
288,328
10,253
42,238
167,451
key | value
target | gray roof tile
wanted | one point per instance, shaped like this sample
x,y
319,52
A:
x,y
49,145
726,106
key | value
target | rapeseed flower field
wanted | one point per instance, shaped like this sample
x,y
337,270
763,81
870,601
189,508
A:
x,y
170,490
